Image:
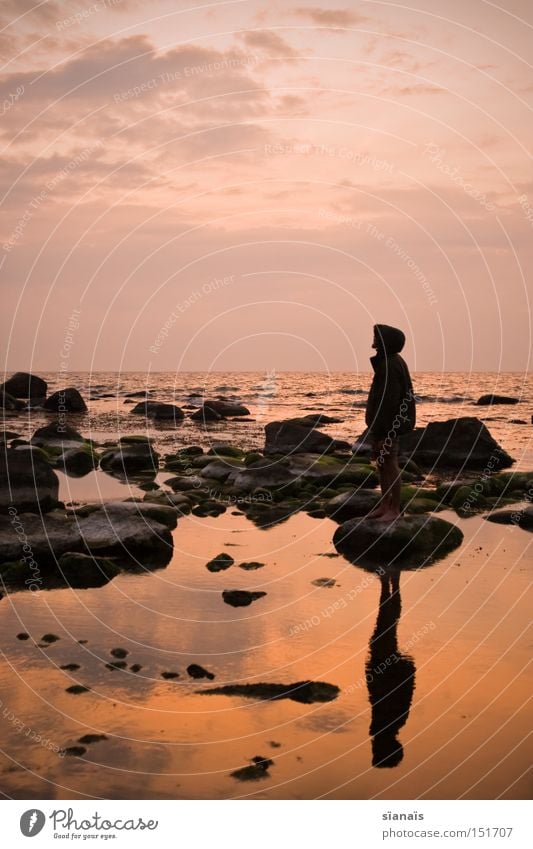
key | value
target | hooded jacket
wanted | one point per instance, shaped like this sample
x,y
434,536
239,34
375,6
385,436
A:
x,y
390,408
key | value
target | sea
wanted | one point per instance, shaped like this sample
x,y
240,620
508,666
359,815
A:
x,y
273,396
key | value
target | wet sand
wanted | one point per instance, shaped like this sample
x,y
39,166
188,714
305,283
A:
x,y
463,624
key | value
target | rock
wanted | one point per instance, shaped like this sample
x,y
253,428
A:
x,y
324,582
184,483
116,664
316,419
291,473
135,667
167,412
219,470
205,414
23,636
197,671
130,459
257,770
77,689
521,518
305,692
70,667
50,638
88,739
119,653
241,598
58,435
83,571
26,484
77,462
457,443
74,751
489,400
251,565
65,401
291,437
8,435
190,451
25,385
350,505
124,531
170,676
411,541
517,421
220,449
226,409
9,403
220,562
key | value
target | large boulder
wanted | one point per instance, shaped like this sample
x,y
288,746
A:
x,y
58,435
122,530
456,444
25,385
66,400
410,542
227,409
489,400
293,437
27,483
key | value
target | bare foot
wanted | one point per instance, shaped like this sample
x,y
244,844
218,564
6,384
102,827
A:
x,y
389,516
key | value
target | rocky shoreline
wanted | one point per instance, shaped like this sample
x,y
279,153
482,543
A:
x,y
453,465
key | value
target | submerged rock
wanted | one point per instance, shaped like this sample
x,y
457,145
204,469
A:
x,y
410,541
257,769
488,400
305,692
66,400
220,562
196,671
241,598
25,385
27,483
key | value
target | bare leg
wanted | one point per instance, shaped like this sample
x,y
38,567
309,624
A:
x,y
391,485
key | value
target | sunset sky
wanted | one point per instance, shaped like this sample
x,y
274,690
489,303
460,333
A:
x,y
246,185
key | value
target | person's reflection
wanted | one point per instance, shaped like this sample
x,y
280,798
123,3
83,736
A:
x,y
390,677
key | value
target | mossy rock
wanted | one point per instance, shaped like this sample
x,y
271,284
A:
x,y
226,451
467,501
201,461
409,541
417,506
252,457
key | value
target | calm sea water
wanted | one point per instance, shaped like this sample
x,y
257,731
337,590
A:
x,y
462,628
271,396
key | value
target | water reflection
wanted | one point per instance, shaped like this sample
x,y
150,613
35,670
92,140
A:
x,y
390,676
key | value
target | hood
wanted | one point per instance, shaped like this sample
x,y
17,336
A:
x,y
390,340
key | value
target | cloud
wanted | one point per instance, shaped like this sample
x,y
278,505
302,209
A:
x,y
331,17
269,42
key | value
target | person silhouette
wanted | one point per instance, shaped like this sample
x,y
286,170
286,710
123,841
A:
x,y
390,677
390,412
